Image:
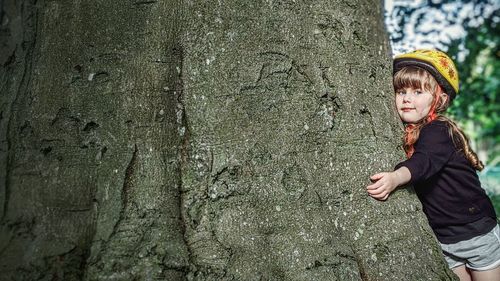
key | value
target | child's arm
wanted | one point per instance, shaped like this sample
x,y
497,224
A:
x,y
385,183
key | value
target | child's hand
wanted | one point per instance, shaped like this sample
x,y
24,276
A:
x,y
385,183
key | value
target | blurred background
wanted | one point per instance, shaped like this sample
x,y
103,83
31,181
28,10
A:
x,y
469,31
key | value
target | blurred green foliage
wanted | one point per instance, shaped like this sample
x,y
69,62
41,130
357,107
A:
x,y
490,181
478,103
495,199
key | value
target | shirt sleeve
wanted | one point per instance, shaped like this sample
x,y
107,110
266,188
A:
x,y
433,150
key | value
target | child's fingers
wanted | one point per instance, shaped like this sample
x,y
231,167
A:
x,y
377,176
382,196
375,185
377,191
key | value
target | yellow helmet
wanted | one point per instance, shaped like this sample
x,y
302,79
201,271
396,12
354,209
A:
x,y
435,62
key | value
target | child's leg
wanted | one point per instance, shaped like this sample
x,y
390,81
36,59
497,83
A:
x,y
462,272
486,275
481,256
492,254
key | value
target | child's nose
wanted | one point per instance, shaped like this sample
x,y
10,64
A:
x,y
407,98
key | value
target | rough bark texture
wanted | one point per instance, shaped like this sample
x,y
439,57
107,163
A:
x,y
201,140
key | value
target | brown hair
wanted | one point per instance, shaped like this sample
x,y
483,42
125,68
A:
x,y
418,78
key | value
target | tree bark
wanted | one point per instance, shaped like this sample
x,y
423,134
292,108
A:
x,y
202,140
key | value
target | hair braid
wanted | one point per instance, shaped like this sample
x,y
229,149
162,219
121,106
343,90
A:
x,y
462,143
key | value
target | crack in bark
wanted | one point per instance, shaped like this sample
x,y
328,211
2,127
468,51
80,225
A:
x,y
361,265
127,185
364,110
144,3
183,151
21,91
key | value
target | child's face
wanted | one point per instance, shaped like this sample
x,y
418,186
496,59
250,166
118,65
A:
x,y
413,104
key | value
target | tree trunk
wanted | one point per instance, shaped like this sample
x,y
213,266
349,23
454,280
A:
x,y
202,140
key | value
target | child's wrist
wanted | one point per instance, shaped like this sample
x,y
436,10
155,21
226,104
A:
x,y
402,175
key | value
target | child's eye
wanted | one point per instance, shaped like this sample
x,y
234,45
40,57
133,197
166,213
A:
x,y
400,93
418,92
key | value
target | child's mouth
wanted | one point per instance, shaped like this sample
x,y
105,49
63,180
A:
x,y
406,109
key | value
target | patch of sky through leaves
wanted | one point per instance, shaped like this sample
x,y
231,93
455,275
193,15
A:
x,y
431,27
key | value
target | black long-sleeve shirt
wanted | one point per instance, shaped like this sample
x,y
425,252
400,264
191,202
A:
x,y
448,187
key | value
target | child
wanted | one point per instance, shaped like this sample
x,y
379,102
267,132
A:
x,y
441,166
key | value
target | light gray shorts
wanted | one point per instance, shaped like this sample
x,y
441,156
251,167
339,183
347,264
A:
x,y
479,253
